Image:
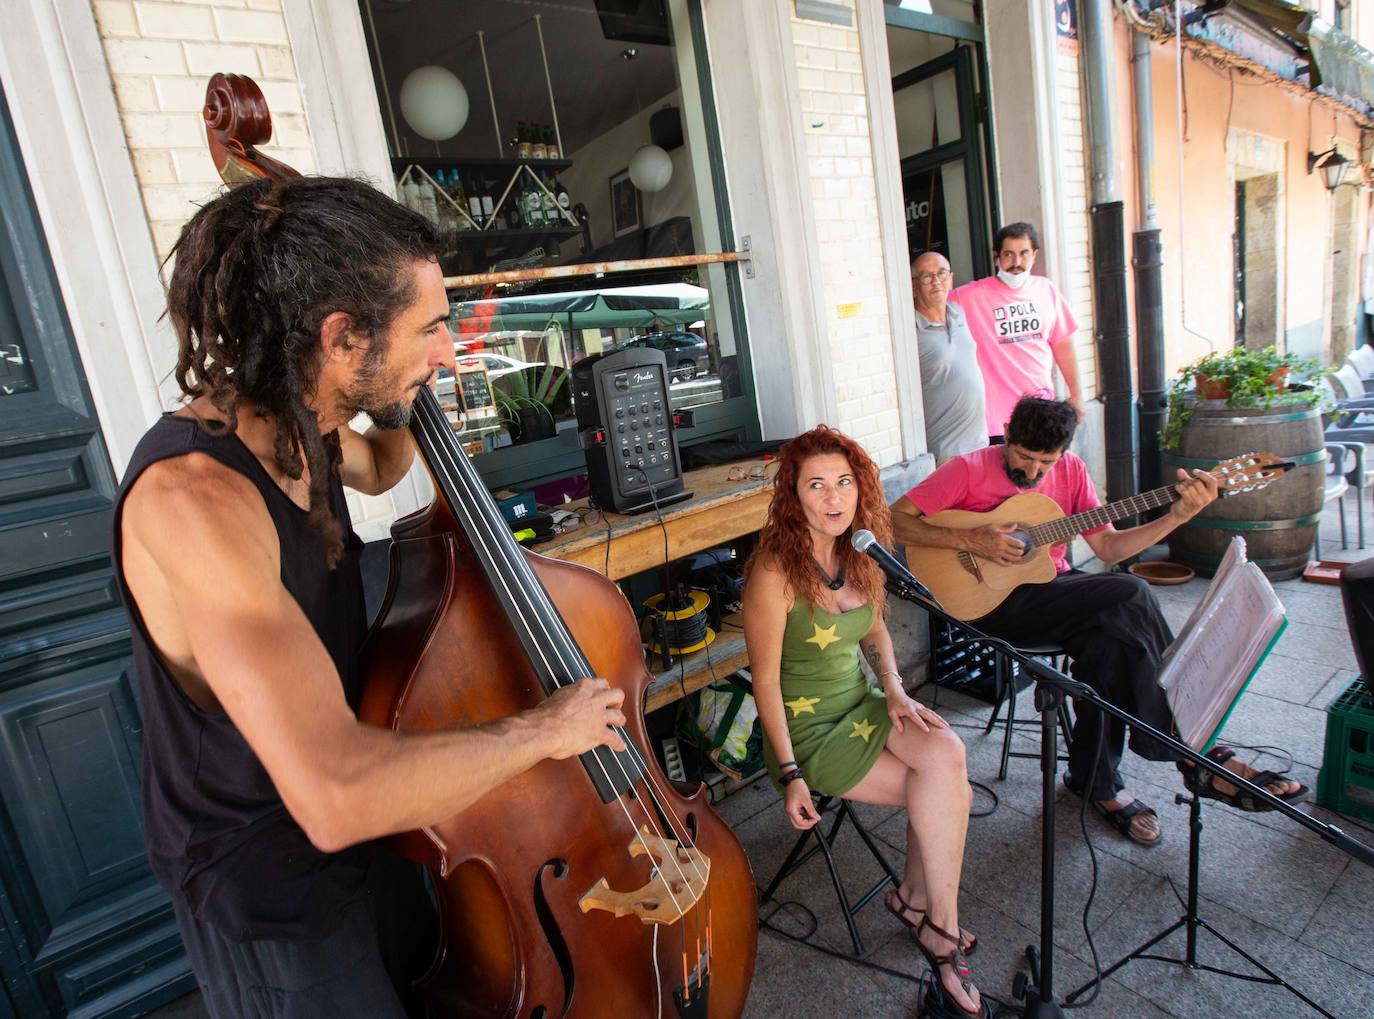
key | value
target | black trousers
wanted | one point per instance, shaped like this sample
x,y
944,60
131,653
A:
x,y
1357,591
365,966
1112,628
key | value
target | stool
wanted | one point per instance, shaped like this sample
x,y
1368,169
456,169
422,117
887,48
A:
x,y
1005,674
825,844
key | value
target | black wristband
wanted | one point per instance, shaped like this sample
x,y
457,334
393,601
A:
x,y
792,776
784,765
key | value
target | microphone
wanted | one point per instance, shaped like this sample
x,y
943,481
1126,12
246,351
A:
x,y
865,542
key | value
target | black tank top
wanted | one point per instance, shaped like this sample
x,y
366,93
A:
x,y
218,835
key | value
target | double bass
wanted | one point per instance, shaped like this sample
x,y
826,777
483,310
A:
x,y
588,887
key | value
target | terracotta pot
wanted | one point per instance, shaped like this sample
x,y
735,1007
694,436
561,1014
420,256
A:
x,y
1209,388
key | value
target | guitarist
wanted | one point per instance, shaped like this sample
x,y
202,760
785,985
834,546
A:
x,y
1109,623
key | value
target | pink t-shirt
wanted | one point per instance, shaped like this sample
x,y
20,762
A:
x,y
1014,331
978,481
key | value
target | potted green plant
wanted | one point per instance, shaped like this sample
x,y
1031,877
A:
x,y
526,398
1243,378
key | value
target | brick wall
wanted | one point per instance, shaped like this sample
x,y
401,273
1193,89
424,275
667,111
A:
x,y
844,198
1078,288
161,55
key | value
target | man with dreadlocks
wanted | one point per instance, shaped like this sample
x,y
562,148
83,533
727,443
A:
x,y
298,305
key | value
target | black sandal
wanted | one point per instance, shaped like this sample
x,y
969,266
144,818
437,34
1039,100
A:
x,y
1120,819
955,960
1202,783
968,943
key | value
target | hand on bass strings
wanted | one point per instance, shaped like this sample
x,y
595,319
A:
x,y
1195,491
580,717
995,543
796,799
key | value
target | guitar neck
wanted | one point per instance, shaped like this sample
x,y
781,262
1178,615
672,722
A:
x,y
1056,532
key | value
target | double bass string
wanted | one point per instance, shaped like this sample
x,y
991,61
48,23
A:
x,y
492,546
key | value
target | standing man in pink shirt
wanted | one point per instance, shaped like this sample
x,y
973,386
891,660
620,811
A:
x,y
1023,328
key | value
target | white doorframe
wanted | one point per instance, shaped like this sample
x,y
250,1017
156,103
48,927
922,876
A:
x,y
57,87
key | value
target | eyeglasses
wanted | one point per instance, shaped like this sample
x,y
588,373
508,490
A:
x,y
927,278
757,472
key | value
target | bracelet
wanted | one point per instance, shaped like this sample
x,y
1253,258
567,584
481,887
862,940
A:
x,y
791,776
785,765
890,672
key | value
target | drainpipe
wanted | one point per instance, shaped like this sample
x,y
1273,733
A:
x,y
1109,256
1149,284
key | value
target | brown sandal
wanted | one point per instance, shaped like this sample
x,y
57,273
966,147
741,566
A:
x,y
968,943
955,960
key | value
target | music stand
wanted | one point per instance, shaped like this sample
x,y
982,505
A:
x,y
1051,686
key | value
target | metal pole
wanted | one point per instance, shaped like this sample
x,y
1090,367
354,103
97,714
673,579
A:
x,y
1147,260
548,82
1097,73
486,73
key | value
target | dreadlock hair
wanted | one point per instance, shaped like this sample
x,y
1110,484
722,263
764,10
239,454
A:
x,y
258,270
785,539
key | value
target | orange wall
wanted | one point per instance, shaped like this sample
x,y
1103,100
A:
x,y
1198,302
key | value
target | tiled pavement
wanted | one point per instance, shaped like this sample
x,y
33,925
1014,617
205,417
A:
x,y
1292,900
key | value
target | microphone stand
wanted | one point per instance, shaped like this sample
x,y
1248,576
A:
x,y
1051,686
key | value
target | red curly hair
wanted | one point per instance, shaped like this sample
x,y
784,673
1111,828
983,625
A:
x,y
785,539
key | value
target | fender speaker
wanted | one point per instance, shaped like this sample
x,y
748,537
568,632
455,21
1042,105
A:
x,y
626,428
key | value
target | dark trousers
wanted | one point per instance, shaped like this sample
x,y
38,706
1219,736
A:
x,y
366,965
1357,591
1111,626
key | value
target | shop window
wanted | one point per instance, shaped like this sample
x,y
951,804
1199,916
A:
x,y
565,133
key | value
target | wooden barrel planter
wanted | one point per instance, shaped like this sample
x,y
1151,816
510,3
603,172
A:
x,y
1278,523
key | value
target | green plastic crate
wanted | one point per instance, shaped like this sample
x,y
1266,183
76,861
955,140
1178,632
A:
x,y
1346,781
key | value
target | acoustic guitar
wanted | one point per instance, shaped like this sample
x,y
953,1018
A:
x,y
970,586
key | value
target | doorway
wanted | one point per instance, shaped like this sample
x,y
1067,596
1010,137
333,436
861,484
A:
x,y
943,143
1255,243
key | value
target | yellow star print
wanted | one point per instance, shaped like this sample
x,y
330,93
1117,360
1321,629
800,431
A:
x,y
863,730
803,705
823,637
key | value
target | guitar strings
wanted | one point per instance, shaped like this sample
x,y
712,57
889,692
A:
x,y
517,566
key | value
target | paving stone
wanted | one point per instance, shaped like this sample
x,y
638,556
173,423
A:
x,y
1333,687
1321,645
1344,925
1289,679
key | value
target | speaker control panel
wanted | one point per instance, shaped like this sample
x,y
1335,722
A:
x,y
639,427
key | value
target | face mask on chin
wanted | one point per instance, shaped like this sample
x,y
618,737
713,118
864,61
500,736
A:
x,y
1015,280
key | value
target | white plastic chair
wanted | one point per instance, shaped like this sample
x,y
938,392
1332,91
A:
x,y
1363,360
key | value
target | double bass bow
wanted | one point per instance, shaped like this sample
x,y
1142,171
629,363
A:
x,y
588,887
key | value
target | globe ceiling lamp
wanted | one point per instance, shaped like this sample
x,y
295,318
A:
x,y
434,102
651,168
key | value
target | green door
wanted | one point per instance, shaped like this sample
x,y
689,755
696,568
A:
x,y
84,929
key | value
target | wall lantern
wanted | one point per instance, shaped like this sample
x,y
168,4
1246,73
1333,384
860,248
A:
x,y
1333,164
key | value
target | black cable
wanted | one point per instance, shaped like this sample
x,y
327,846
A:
x,y
1092,856
931,999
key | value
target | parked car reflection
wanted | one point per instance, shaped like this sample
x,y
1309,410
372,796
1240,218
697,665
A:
x,y
686,352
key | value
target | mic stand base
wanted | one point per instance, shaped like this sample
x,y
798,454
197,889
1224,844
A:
x,y
1192,923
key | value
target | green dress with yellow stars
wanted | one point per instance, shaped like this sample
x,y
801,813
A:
x,y
837,721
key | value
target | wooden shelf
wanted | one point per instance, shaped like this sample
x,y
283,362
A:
x,y
561,233
726,655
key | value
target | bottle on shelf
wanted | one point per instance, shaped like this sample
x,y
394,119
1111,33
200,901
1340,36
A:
x,y
523,144
488,206
560,194
551,143
474,194
410,196
429,205
459,196
549,204
537,148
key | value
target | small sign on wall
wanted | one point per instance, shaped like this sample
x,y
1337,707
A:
x,y
829,11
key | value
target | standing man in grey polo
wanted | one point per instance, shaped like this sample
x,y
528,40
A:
x,y
951,384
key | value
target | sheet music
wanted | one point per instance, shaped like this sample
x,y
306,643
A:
x,y
1219,648
1235,556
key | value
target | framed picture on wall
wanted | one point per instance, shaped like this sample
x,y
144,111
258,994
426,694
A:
x,y
624,204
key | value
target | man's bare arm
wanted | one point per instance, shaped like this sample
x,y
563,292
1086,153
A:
x,y
991,542
376,461
343,782
1066,357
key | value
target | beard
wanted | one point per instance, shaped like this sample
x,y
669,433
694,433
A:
x,y
375,394
1018,476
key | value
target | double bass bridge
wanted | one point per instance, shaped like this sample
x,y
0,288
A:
x,y
677,883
